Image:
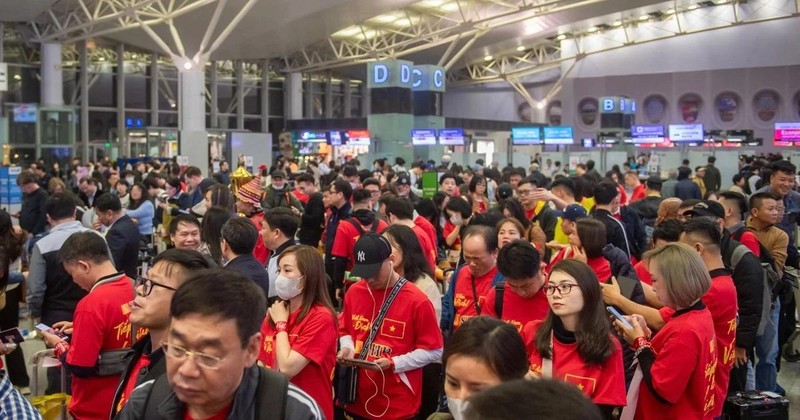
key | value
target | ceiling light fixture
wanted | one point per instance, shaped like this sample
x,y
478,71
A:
x,y
541,104
187,65
592,29
693,7
644,17
669,11
521,48
561,37
488,58
449,7
617,23
17,77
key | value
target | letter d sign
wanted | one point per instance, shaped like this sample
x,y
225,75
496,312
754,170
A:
x,y
405,74
380,74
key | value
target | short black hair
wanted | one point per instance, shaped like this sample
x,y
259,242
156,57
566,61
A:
x,y
223,293
705,228
182,218
241,235
174,182
108,202
361,195
343,187
757,199
564,184
460,206
60,206
737,178
488,233
605,192
304,178
193,171
26,177
400,161
400,208
737,198
188,260
668,230
349,170
526,399
370,181
87,246
782,166
518,260
282,219
447,175
528,180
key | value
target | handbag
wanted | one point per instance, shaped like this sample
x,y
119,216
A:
x,y
346,377
114,362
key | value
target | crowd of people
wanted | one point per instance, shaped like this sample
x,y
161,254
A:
x,y
338,291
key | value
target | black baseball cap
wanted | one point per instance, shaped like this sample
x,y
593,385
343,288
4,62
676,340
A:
x,y
573,212
403,179
370,251
505,190
707,208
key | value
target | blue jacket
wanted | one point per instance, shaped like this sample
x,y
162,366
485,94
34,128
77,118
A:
x,y
448,306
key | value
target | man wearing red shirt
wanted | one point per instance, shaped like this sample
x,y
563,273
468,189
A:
x,y
349,230
404,342
523,296
466,296
150,309
638,189
100,325
400,212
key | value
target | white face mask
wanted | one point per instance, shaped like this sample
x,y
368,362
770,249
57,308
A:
x,y
278,187
287,287
130,181
354,185
456,220
457,407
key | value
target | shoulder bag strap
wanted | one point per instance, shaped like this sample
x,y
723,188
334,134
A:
x,y
375,224
376,325
499,290
356,225
271,392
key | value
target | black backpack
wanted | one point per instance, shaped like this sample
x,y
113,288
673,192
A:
x,y
271,394
356,224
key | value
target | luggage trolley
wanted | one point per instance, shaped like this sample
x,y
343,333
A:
x,y
51,407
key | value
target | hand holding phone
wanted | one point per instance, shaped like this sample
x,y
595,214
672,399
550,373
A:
x,y
619,317
47,329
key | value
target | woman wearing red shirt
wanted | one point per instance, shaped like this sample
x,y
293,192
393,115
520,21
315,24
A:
x,y
300,330
675,379
459,214
477,191
574,343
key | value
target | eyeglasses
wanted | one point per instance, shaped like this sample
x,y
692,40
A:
x,y
563,289
523,193
147,285
179,353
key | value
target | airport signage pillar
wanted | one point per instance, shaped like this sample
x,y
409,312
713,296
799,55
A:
x,y
428,84
391,116
52,93
192,110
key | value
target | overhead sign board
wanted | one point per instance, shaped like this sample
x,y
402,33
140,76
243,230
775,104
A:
x,y
401,73
686,132
451,137
523,136
787,133
558,135
647,134
425,137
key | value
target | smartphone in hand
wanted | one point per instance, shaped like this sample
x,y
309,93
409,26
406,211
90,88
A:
x,y
619,316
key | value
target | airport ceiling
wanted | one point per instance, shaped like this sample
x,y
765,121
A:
x,y
342,35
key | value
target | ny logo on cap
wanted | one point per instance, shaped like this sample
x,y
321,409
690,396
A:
x,y
362,256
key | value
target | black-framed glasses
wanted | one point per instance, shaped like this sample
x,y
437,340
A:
x,y
147,285
563,289
180,353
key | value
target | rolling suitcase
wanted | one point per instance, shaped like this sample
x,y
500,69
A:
x,y
756,405
51,407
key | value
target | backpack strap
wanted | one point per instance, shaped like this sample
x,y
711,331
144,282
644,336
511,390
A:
x,y
499,290
159,391
375,223
356,225
272,392
737,255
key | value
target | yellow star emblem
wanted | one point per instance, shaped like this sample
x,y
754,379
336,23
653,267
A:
x,y
392,328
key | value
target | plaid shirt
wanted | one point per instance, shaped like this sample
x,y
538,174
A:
x,y
12,404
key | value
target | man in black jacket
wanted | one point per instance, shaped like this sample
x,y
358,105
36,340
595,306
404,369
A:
x,y
239,237
606,198
150,309
339,201
122,235
313,218
90,191
32,217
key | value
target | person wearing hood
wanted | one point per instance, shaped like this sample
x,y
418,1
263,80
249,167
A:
x,y
362,220
279,194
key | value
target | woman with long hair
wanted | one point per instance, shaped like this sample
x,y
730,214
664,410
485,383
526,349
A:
x,y
12,241
482,353
574,343
677,364
211,233
410,262
220,195
141,210
668,210
300,332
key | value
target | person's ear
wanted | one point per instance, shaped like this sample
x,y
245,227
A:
x,y
252,349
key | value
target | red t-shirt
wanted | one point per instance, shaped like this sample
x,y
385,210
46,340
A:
x,y
637,194
643,273
427,247
750,240
558,257
410,324
260,251
722,304
604,384
222,415
447,230
518,311
130,383
683,371
623,196
315,339
347,236
300,196
101,323
464,299
601,268
427,227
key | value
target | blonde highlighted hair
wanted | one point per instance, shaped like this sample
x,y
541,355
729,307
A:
x,y
684,276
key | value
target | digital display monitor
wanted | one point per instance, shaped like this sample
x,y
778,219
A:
x,y
646,134
588,143
25,113
358,138
558,135
686,133
787,133
312,136
335,138
523,136
451,137
426,137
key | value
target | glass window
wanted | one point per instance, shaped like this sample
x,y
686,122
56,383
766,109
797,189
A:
x,y
225,94
766,104
21,132
137,92
689,107
167,95
338,106
102,90
100,124
355,107
167,119
318,106
252,101
22,156
70,85
56,127
276,103
62,155
252,124
23,85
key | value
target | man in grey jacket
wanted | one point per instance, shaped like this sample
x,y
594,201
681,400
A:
x,y
215,321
